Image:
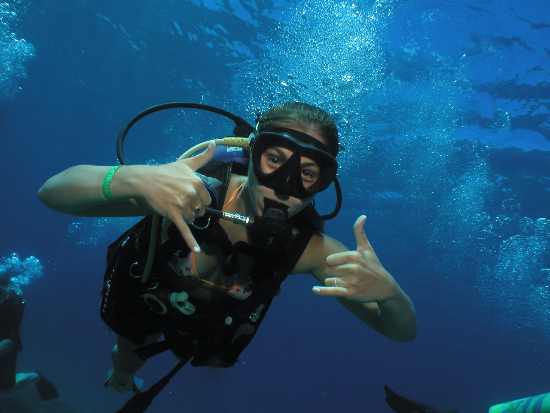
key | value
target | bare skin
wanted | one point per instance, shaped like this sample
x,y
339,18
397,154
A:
x,y
355,277
126,364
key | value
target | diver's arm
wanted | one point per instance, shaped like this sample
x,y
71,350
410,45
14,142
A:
x,y
171,190
78,191
394,316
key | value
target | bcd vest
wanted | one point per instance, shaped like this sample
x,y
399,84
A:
x,y
208,321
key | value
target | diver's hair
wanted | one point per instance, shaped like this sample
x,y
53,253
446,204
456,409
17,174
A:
x,y
306,114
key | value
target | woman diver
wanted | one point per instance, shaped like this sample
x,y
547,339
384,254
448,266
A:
x,y
205,282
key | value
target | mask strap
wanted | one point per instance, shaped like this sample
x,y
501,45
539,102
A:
x,y
338,206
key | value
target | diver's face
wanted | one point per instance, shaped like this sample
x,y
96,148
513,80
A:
x,y
272,159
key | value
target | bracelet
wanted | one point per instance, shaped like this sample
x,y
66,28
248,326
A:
x,y
106,186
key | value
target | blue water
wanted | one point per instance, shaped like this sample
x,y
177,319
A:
x,y
444,111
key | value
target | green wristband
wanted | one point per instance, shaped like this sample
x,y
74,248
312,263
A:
x,y
106,186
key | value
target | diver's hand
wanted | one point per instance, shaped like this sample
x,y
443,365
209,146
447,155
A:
x,y
174,191
358,275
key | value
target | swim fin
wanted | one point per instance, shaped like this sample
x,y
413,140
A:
x,y
400,404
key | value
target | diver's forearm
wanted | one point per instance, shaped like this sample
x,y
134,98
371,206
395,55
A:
x,y
78,190
397,318
394,317
7,347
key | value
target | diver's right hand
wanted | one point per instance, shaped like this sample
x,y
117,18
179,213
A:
x,y
174,191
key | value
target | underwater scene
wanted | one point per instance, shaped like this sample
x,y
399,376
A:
x,y
388,201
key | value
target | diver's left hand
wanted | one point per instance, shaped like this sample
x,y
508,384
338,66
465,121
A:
x,y
358,275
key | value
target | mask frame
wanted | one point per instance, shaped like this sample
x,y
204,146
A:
x,y
287,179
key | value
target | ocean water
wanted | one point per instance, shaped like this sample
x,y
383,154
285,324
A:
x,y
444,114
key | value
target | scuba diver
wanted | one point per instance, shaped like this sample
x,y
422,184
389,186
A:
x,y
20,392
400,404
12,306
222,229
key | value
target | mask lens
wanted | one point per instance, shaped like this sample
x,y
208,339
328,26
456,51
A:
x,y
292,166
273,158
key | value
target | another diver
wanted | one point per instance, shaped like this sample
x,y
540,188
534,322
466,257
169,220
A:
x,y
12,307
20,392
205,280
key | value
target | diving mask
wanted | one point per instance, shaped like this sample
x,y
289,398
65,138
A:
x,y
287,179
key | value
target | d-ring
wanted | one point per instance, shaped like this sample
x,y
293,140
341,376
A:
x,y
201,227
135,270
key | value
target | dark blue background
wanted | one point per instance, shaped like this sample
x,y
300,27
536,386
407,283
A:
x,y
486,59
